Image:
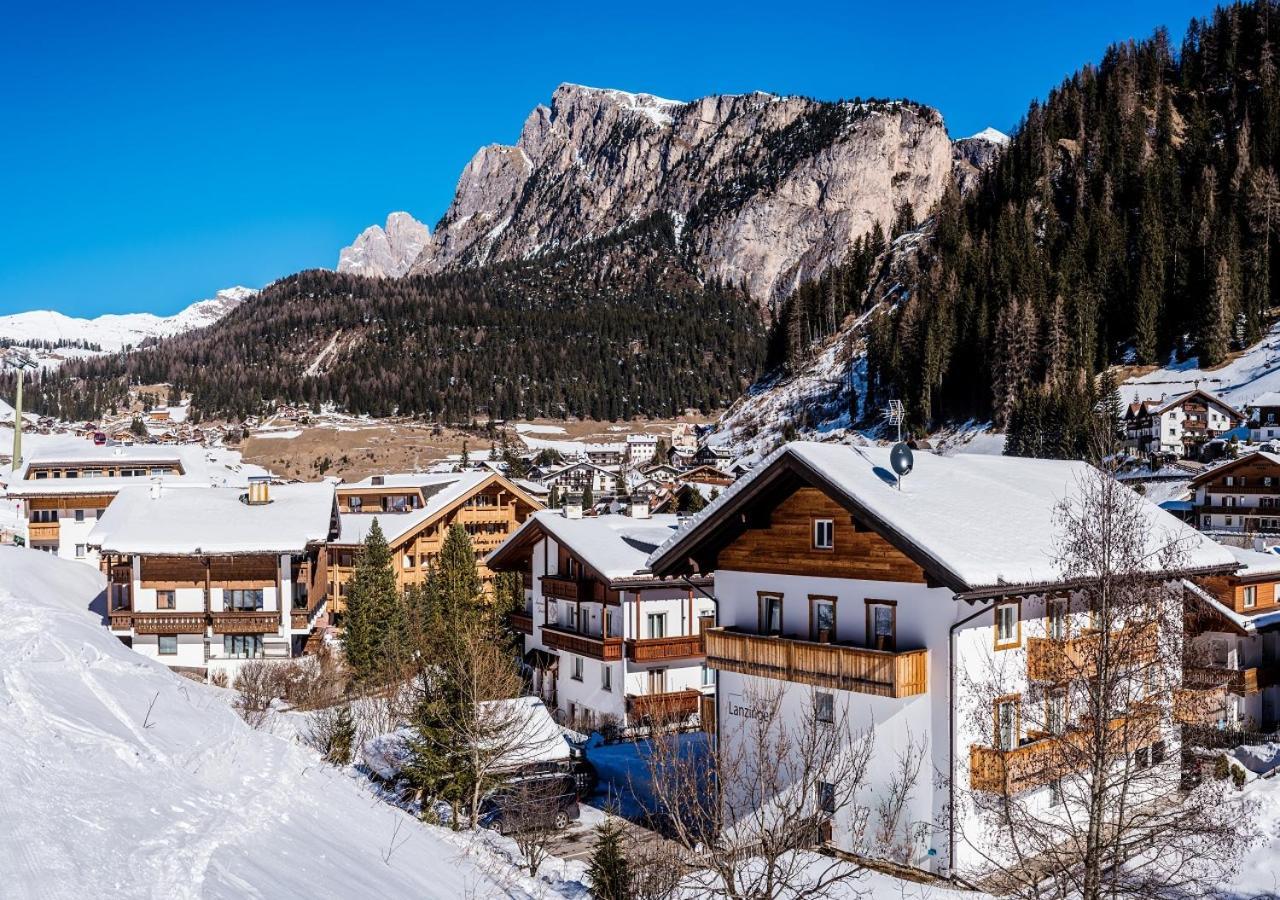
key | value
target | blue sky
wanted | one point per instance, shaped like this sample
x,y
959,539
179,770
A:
x,y
150,154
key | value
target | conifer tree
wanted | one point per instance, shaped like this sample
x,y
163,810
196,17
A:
x,y
588,498
609,869
373,625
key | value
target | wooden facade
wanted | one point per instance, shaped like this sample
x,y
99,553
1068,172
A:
x,y
489,513
1248,490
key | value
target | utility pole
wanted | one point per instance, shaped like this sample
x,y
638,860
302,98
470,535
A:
x,y
21,361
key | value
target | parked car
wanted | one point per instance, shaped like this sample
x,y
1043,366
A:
x,y
530,803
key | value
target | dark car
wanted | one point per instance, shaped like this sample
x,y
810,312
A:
x,y
531,803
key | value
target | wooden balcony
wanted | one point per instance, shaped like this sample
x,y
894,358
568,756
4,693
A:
x,y
43,531
882,673
673,706
490,514
1199,706
662,649
1047,757
604,649
241,622
120,620
521,622
167,622
559,588
1054,660
1235,681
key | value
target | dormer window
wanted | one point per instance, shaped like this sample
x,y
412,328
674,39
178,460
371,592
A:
x,y
378,480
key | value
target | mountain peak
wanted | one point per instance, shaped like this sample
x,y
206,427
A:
x,y
990,135
386,251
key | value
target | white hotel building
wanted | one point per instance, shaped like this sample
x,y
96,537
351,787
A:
x,y
606,643
202,579
842,592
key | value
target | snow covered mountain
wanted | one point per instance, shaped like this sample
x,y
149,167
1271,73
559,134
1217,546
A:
x,y
124,779
114,332
767,190
1254,372
975,154
386,252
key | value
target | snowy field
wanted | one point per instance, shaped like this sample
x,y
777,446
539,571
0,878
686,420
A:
x,y
125,780
1253,373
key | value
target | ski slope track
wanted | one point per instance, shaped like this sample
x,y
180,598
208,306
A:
x,y
122,779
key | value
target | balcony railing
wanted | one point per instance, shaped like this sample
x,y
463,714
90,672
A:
x,y
660,649
560,588
43,531
166,622
667,707
1236,681
1048,757
605,649
880,672
245,622
1050,659
521,622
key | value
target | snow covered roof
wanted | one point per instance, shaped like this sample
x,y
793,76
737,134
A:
x,y
199,465
186,520
975,521
1270,398
616,546
1255,564
1215,471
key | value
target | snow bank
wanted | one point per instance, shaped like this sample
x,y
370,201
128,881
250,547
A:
x,y
123,779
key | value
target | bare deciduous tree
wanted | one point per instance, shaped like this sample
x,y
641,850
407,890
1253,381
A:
x,y
742,816
1094,725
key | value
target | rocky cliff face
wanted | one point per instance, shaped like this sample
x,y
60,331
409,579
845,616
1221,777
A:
x,y
975,154
765,190
386,252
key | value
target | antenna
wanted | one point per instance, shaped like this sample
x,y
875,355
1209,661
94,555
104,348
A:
x,y
20,359
894,414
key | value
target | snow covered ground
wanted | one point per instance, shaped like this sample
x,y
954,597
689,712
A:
x,y
122,779
1254,372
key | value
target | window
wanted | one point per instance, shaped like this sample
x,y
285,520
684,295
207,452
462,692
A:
x,y
577,669
354,504
1007,724
1142,758
165,600
770,614
242,646
824,707
575,616
822,619
168,644
1057,624
99,513
242,600
1230,482
1226,520
657,625
1056,712
708,676
1008,626
79,551
824,534
79,515
826,797
1251,596
882,625
408,560
606,678
1157,753
1055,792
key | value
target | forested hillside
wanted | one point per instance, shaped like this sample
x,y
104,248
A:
x,y
1133,216
615,328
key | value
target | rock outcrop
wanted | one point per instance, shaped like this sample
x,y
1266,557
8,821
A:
x,y
764,190
975,154
386,252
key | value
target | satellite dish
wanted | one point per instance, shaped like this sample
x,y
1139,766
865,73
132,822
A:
x,y
901,459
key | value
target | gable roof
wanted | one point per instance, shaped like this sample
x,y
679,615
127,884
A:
x,y
1270,398
615,546
183,520
974,523
1209,474
441,492
1160,406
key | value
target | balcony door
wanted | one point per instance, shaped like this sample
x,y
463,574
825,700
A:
x,y
657,681
1057,624
882,625
657,625
1007,723
770,614
822,619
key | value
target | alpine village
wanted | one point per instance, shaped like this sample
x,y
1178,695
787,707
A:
x,y
746,497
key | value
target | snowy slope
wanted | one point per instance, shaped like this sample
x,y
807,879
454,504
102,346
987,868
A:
x,y
112,332
1251,374
125,780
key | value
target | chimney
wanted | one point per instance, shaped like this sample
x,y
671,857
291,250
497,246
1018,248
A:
x,y
259,491
573,505
1259,544
157,488
640,505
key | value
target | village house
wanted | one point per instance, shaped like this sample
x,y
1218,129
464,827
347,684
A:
x,y
609,454
204,578
606,642
65,494
1178,426
641,449
415,511
1264,417
1240,496
576,477
849,593
1232,670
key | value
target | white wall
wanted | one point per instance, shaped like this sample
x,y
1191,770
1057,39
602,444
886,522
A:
x,y
190,650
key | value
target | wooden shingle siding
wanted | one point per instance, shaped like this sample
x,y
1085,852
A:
x,y
785,547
